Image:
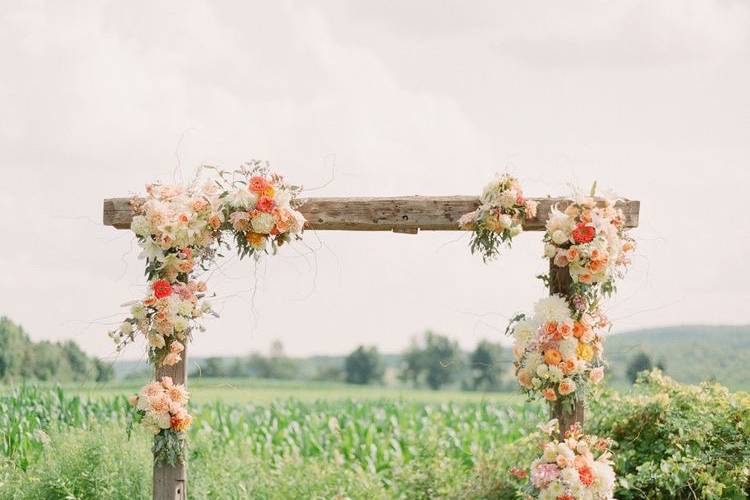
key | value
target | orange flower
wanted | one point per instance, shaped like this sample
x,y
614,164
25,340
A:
x,y
524,378
258,184
628,246
215,221
596,266
567,366
550,327
265,204
572,254
256,240
578,329
149,301
552,357
586,475
585,278
564,329
549,394
181,423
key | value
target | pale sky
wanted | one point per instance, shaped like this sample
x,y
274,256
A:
x,y
649,98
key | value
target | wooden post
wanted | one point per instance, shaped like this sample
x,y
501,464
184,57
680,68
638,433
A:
x,y
559,283
170,483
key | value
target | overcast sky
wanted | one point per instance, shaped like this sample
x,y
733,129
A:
x,y
649,98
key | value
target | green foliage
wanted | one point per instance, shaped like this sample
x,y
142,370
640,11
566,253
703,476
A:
x,y
364,366
82,464
639,363
22,359
169,447
677,441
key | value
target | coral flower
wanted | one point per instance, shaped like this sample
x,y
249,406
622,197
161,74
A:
x,y
552,357
265,204
586,475
549,394
162,289
258,184
583,233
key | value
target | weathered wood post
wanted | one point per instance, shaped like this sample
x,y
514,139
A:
x,y
559,283
170,483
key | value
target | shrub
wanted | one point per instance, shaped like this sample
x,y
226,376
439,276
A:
x,y
677,441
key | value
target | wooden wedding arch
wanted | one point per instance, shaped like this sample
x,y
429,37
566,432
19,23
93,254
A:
x,y
402,214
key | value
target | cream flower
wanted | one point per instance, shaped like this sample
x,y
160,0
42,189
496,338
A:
x,y
263,223
552,308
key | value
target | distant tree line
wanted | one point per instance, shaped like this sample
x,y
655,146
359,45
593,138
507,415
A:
x,y
433,361
22,359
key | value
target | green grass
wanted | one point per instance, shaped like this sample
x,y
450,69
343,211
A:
x,y
242,391
258,439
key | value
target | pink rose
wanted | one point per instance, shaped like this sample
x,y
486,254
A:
x,y
597,374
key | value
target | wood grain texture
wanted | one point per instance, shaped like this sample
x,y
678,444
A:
x,y
170,483
559,283
406,214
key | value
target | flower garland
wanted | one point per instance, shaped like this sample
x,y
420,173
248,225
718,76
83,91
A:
x,y
578,467
181,230
559,350
499,217
161,408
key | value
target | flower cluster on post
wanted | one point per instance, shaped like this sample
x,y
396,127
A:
x,y
559,350
181,230
577,467
499,217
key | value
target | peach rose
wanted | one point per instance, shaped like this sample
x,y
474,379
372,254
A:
x,y
597,374
567,366
578,329
585,278
550,327
552,357
561,260
572,254
549,394
564,329
524,378
566,387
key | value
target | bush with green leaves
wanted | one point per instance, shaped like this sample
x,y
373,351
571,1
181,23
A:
x,y
676,440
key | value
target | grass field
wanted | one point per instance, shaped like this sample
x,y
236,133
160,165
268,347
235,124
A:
x,y
243,391
259,439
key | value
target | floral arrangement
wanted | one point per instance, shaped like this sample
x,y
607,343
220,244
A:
x,y
577,467
499,217
181,230
161,408
557,351
589,238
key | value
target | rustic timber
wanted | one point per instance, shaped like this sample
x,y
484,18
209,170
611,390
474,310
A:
x,y
404,214
170,483
559,283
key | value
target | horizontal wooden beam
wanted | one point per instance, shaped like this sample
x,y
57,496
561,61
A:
x,y
406,214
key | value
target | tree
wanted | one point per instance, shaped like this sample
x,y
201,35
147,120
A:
x,y
436,361
640,362
364,366
485,363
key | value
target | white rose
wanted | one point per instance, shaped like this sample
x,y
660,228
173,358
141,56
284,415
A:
x,y
523,332
549,250
138,311
180,324
560,237
242,198
550,452
542,371
555,374
263,223
533,359
155,340
567,348
140,226
507,199
569,475
185,308
164,420
282,197
505,221
515,230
